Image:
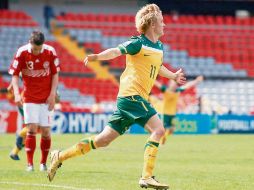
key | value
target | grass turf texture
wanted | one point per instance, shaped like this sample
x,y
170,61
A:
x,y
212,162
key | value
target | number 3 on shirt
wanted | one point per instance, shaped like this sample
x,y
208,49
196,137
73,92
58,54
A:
x,y
153,71
30,65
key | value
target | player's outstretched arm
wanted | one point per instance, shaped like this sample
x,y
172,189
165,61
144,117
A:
x,y
108,54
178,76
193,82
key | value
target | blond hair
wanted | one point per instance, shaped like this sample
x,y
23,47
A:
x,y
145,16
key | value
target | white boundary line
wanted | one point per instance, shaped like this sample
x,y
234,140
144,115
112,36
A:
x,y
44,185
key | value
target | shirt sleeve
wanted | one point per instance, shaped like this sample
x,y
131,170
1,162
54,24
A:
x,y
132,46
55,64
180,89
15,66
163,88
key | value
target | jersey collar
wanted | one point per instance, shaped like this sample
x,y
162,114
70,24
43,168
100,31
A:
x,y
30,48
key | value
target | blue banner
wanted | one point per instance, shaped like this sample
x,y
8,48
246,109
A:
x,y
235,124
193,124
185,124
65,122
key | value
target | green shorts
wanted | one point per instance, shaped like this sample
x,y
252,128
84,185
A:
x,y
168,120
130,110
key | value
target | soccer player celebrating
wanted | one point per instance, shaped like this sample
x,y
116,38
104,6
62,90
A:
x,y
39,66
144,56
168,107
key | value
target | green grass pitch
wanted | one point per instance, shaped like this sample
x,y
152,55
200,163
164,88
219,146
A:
x,y
186,162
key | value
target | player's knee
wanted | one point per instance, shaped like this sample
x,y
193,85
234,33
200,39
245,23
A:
x,y
45,133
32,128
102,142
160,132
31,132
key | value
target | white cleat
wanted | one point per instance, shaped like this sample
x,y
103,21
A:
x,y
43,167
151,182
30,168
55,163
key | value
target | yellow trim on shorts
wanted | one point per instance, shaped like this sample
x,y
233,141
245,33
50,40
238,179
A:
x,y
144,106
132,97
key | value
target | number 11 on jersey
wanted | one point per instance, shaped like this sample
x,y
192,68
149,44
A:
x,y
153,71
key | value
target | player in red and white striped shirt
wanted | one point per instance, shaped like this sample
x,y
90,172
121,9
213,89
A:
x,y
39,66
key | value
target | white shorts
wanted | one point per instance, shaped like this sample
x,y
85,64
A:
x,y
38,113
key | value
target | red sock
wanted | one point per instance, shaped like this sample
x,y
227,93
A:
x,y
45,146
30,145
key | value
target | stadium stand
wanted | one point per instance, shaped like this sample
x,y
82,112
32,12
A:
x,y
202,45
206,51
16,18
233,96
213,46
5,105
72,98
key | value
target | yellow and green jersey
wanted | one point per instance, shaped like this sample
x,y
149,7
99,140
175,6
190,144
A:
x,y
170,99
143,61
169,103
